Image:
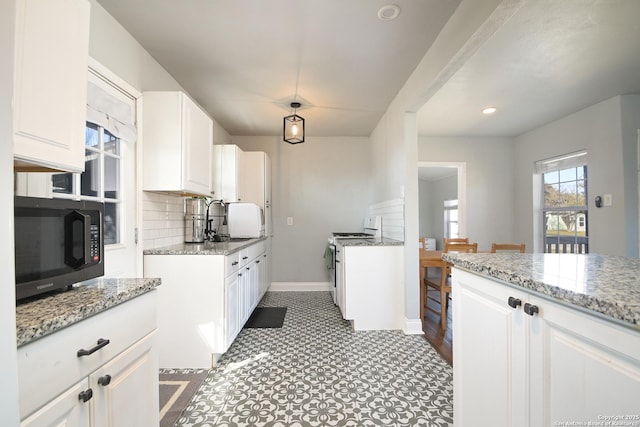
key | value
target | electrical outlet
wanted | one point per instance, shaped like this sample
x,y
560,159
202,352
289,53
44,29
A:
x,y
608,200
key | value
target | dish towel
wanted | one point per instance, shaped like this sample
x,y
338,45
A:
x,y
328,257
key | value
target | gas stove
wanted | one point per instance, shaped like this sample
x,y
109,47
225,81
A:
x,y
372,228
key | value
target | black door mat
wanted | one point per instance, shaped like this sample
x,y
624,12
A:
x,y
266,317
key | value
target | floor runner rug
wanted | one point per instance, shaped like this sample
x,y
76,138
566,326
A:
x,y
177,387
267,317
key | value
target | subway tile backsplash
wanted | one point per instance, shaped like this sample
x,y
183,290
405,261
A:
x,y
162,220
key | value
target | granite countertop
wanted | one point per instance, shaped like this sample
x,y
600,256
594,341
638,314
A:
x,y
206,248
373,241
43,316
608,285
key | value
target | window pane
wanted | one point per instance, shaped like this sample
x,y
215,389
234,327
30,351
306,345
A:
x,y
569,191
111,177
568,175
552,195
581,172
111,226
111,143
90,178
62,183
551,177
92,135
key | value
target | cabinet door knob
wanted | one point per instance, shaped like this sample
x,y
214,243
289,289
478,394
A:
x,y
86,395
101,343
530,309
514,302
104,380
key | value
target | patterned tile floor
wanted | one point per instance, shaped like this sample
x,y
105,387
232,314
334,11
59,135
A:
x,y
315,371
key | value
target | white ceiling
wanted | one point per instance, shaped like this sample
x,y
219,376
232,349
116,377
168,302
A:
x,y
552,58
244,61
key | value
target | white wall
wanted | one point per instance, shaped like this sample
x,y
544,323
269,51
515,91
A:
x,y
394,140
8,358
611,147
490,188
324,185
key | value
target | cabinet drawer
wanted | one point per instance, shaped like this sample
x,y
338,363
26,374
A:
x,y
257,249
48,366
232,263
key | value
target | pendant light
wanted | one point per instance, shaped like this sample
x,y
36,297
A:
x,y
293,129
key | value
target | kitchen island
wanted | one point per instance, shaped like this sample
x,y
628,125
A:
x,y
544,339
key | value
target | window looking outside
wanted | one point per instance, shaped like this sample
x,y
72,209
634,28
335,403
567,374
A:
x,y
565,213
100,180
451,219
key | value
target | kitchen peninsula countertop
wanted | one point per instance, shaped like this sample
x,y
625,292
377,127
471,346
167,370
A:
x,y
43,316
374,241
206,248
601,284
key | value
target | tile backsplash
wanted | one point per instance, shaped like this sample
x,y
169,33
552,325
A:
x,y
162,220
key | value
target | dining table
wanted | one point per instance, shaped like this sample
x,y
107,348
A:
x,y
428,259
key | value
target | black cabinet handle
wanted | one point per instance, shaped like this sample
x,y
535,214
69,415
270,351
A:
x,y
104,380
530,309
514,302
247,268
86,395
234,263
245,257
257,261
101,343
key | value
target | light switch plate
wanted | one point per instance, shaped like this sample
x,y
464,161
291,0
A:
x,y
289,220
608,200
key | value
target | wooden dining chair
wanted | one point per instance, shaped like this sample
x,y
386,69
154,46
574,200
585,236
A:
x,y
443,286
455,240
507,247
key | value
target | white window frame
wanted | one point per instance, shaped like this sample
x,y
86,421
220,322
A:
x,y
449,206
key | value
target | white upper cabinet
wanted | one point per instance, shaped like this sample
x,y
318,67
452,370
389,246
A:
x,y
178,137
50,84
227,180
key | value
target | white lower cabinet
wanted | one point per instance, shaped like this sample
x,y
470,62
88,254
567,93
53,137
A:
x,y
114,382
369,282
523,360
204,302
65,410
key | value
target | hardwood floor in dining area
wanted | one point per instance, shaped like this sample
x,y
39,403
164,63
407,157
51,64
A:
x,y
440,340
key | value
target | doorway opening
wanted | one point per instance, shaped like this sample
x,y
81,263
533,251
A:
x,y
438,184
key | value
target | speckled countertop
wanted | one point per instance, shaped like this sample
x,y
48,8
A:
x,y
608,285
206,248
374,241
40,317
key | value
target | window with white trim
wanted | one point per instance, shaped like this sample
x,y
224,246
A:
x,y
565,211
100,180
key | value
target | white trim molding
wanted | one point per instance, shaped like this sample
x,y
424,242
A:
x,y
299,286
412,327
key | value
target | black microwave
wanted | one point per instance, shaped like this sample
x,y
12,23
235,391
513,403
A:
x,y
58,243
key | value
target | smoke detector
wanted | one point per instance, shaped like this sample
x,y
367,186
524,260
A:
x,y
388,12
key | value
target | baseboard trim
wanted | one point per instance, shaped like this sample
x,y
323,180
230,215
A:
x,y
413,327
299,286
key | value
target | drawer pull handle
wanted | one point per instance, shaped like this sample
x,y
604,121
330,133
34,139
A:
x,y
101,343
530,309
234,263
258,261
245,257
104,380
514,302
86,395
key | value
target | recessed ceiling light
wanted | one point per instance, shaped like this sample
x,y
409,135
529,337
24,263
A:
x,y
489,110
388,12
